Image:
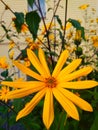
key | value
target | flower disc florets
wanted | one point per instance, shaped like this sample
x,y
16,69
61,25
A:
x,y
50,82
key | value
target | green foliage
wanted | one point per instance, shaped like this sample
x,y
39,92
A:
x,y
30,2
19,20
78,26
33,20
4,73
95,122
23,54
59,21
79,51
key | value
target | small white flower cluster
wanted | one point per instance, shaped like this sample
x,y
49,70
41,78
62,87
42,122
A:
x,y
90,54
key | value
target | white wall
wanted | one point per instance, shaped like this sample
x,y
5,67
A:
x,y
74,11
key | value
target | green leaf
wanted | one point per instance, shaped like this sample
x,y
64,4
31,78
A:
x,y
19,21
33,20
74,22
63,121
4,73
23,54
8,79
82,32
30,2
59,20
95,123
78,26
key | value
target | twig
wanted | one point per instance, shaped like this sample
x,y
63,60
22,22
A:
x,y
1,102
7,7
47,31
64,33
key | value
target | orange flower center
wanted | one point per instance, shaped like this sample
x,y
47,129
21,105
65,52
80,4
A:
x,y
50,82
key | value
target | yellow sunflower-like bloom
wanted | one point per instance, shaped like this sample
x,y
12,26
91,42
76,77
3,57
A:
x,y
51,86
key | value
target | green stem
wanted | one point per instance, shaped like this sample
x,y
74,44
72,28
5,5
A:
x,y
8,127
47,31
54,13
8,107
62,119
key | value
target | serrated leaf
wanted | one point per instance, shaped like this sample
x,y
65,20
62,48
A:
x,y
19,21
30,2
33,20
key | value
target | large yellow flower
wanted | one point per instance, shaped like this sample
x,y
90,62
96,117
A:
x,y
51,86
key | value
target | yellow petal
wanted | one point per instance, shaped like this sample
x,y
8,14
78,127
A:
x,y
48,110
28,71
78,84
31,105
43,62
71,67
76,100
35,62
60,63
68,106
23,84
19,93
82,72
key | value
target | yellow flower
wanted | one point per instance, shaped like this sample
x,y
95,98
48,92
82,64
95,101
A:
x,y
24,28
68,26
78,35
3,91
95,40
3,62
93,31
48,26
83,7
92,20
51,37
11,44
33,45
51,86
11,54
29,40
96,20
